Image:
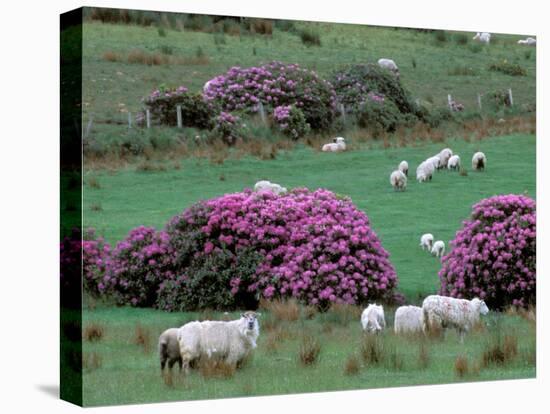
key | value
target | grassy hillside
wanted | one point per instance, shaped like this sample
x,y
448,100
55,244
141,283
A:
x,y
128,198
430,69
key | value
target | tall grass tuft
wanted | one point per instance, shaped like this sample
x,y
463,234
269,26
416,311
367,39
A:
x,y
93,332
310,37
142,338
351,367
284,310
423,356
461,366
215,368
372,350
310,349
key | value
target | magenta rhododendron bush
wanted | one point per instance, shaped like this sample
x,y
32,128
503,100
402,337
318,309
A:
x,y
96,255
494,255
314,246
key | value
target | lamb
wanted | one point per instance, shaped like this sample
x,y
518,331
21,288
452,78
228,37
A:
x,y
424,171
338,145
230,341
390,65
438,248
483,37
404,167
265,185
427,241
479,161
454,163
446,312
372,318
530,41
444,157
408,319
169,349
398,180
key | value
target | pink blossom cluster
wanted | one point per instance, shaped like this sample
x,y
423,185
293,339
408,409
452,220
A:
x,y
375,97
316,246
274,84
164,93
138,265
96,255
494,255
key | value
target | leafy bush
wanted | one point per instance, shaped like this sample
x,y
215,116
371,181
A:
x,y
354,83
508,68
494,255
310,37
460,38
315,247
437,116
275,84
228,127
95,260
291,121
207,283
139,264
497,99
379,114
162,104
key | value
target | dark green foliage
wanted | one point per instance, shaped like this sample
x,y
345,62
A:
x,y
441,36
508,68
196,113
497,99
310,37
380,117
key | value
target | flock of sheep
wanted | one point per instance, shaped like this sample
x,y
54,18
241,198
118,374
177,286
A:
x,y
426,169
484,37
233,341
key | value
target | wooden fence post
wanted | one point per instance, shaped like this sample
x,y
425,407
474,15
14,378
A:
x,y
510,96
449,101
479,101
148,117
129,120
88,128
180,121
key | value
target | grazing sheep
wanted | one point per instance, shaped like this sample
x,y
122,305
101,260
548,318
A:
x,y
404,167
446,312
265,185
454,163
398,180
483,37
438,248
425,171
372,319
427,241
231,341
435,161
389,65
530,41
444,157
479,161
169,349
408,319
338,145
456,106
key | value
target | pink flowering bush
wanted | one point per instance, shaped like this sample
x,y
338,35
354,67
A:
x,y
494,255
138,265
228,127
95,261
275,84
314,246
162,104
290,121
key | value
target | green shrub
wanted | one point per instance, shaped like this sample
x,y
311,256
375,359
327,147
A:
x,y
462,70
379,116
291,121
437,116
310,37
441,36
508,68
497,99
475,47
460,39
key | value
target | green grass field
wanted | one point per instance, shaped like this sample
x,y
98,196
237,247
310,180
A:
x,y
117,370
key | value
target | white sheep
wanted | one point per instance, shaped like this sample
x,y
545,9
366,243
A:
x,y
389,64
338,144
206,85
483,37
372,319
230,341
398,180
427,241
404,167
479,161
435,161
265,185
408,319
454,163
438,248
530,41
425,171
169,349
446,312
444,157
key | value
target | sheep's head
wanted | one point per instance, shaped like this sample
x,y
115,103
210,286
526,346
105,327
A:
x,y
251,320
480,304
339,140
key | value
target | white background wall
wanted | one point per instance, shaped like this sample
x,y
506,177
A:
x,y
29,222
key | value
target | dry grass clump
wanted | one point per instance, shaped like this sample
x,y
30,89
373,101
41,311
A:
x,y
344,313
461,366
93,332
215,368
372,350
310,349
96,207
352,365
93,182
111,56
423,356
500,352
284,310
142,337
148,166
